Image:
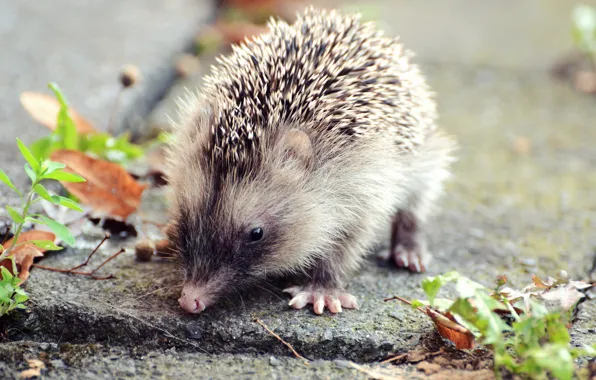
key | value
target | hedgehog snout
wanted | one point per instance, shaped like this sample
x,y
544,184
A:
x,y
193,299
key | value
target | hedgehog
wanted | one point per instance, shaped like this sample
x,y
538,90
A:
x,y
306,148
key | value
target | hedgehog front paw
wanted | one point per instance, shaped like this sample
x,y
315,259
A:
x,y
415,258
333,299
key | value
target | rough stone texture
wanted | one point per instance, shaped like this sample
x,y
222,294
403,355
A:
x,y
97,362
505,212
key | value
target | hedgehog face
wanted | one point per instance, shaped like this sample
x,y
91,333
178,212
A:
x,y
240,230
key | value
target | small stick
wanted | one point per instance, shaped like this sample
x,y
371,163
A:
x,y
394,358
90,274
398,298
281,340
122,250
106,237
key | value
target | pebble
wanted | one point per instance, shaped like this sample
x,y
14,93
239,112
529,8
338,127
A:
x,y
342,363
328,334
57,363
274,361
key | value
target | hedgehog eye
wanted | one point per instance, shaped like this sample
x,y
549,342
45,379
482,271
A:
x,y
255,234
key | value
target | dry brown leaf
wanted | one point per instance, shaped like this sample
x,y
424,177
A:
x,y
31,235
566,296
23,255
448,328
44,109
109,188
26,253
543,284
35,367
30,373
235,33
35,363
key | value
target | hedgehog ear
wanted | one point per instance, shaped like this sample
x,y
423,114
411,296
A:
x,y
298,146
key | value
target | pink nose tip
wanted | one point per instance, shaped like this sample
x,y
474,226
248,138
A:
x,y
191,300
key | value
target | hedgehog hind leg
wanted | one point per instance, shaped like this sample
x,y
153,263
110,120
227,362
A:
x,y
429,171
408,246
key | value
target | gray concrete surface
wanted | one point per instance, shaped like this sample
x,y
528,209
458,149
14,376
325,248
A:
x,y
82,45
505,212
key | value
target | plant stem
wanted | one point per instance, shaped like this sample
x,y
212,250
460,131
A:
x,y
19,226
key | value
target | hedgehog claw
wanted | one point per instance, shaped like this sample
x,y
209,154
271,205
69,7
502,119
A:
x,y
415,259
334,299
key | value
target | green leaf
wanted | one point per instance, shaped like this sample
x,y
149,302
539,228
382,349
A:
x,y
555,358
42,148
31,173
53,166
60,175
14,214
39,189
58,228
6,275
432,285
65,126
28,155
4,178
45,244
69,203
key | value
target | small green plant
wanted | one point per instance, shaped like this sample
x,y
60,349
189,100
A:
x,y
66,136
535,343
584,31
11,295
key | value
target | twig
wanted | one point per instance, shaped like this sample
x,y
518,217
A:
x,y
394,358
106,237
399,299
90,274
281,340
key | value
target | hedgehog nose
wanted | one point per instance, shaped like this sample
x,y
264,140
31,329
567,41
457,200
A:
x,y
191,299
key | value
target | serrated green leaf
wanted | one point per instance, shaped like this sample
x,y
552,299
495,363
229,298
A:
x,y
28,155
45,244
432,285
14,214
64,176
4,178
31,173
59,229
